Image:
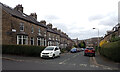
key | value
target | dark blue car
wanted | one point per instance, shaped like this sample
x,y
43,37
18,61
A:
x,y
73,50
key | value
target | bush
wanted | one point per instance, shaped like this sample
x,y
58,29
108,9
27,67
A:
x,y
102,43
24,50
63,50
111,50
75,46
115,38
68,48
96,48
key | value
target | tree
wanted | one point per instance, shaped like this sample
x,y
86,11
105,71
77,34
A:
x,y
75,46
82,44
79,45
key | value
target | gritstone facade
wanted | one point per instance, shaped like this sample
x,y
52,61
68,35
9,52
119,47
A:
x,y
19,28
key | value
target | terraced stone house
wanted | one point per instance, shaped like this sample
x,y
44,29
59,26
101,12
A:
x,y
19,28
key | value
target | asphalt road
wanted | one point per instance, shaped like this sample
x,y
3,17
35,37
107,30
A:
x,y
67,61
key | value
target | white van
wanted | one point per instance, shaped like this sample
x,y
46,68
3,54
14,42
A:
x,y
50,52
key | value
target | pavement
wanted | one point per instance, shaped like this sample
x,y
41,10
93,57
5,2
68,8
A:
x,y
105,62
67,61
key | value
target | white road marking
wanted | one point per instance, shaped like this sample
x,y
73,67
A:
x,y
84,65
107,68
93,66
63,62
103,66
74,56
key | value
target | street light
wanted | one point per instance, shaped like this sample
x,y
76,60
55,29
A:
x,y
98,36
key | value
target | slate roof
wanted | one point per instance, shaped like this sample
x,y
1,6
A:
x,y
20,15
23,16
50,30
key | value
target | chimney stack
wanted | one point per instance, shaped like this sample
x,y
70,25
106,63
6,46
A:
x,y
34,15
43,22
19,8
55,29
50,25
62,33
59,31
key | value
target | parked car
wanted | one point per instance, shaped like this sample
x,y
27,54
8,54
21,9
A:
x,y
73,50
83,49
79,49
89,51
50,52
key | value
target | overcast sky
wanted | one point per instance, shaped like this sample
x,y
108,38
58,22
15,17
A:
x,y
74,17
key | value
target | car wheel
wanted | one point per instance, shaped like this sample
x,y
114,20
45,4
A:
x,y
53,56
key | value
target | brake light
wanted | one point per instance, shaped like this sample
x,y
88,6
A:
x,y
93,50
86,50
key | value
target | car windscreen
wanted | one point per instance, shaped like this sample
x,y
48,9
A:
x,y
89,48
49,48
74,49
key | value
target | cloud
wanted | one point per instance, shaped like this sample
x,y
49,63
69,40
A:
x,y
51,17
83,34
63,27
96,17
110,20
77,18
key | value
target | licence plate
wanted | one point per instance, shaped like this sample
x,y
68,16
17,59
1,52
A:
x,y
45,55
89,50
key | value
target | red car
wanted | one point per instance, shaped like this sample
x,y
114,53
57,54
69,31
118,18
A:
x,y
89,51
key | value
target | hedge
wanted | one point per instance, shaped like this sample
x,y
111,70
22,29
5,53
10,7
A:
x,y
63,50
24,50
111,50
115,38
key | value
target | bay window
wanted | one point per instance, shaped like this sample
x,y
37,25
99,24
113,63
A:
x,y
22,39
38,41
32,41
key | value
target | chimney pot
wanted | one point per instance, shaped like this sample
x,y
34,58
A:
x,y
55,29
59,31
43,22
19,8
34,15
50,25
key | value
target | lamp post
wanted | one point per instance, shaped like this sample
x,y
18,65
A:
x,y
98,36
